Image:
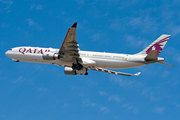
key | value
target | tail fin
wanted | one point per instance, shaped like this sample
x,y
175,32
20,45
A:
x,y
158,45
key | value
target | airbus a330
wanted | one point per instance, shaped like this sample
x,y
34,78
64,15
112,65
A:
x,y
79,62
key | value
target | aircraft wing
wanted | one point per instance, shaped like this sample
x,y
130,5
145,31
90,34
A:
x,y
114,72
69,48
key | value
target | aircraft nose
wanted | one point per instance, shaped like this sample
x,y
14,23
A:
x,y
7,53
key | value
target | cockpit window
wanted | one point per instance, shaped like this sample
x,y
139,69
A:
x,y
10,49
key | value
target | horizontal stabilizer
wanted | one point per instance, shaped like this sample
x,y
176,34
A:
x,y
165,63
114,72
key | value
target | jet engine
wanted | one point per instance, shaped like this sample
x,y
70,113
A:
x,y
51,56
69,71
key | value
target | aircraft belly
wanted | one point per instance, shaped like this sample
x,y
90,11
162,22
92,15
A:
x,y
61,63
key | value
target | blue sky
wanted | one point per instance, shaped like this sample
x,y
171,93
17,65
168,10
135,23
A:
x,y
31,91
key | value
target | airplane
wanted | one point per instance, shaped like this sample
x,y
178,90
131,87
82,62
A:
x,y
79,62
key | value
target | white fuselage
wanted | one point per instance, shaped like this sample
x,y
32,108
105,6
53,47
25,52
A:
x,y
90,59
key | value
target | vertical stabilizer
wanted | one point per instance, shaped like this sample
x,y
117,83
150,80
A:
x,y
158,45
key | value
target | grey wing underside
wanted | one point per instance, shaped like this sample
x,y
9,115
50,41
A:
x,y
69,48
114,72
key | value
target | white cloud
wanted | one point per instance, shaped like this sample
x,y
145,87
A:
x,y
118,80
19,79
42,89
30,22
165,74
33,23
127,106
104,108
177,106
116,24
114,97
87,103
6,1
102,93
111,97
176,1
80,2
130,107
8,4
105,14
159,110
66,105
124,83
149,94
136,41
146,24
173,29
37,7
4,25
116,118
175,56
136,21
97,36
175,83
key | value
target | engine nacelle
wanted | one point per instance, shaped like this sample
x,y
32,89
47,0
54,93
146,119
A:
x,y
69,71
50,56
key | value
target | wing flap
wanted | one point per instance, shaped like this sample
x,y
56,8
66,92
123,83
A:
x,y
114,72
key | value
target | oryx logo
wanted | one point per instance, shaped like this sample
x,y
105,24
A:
x,y
158,46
